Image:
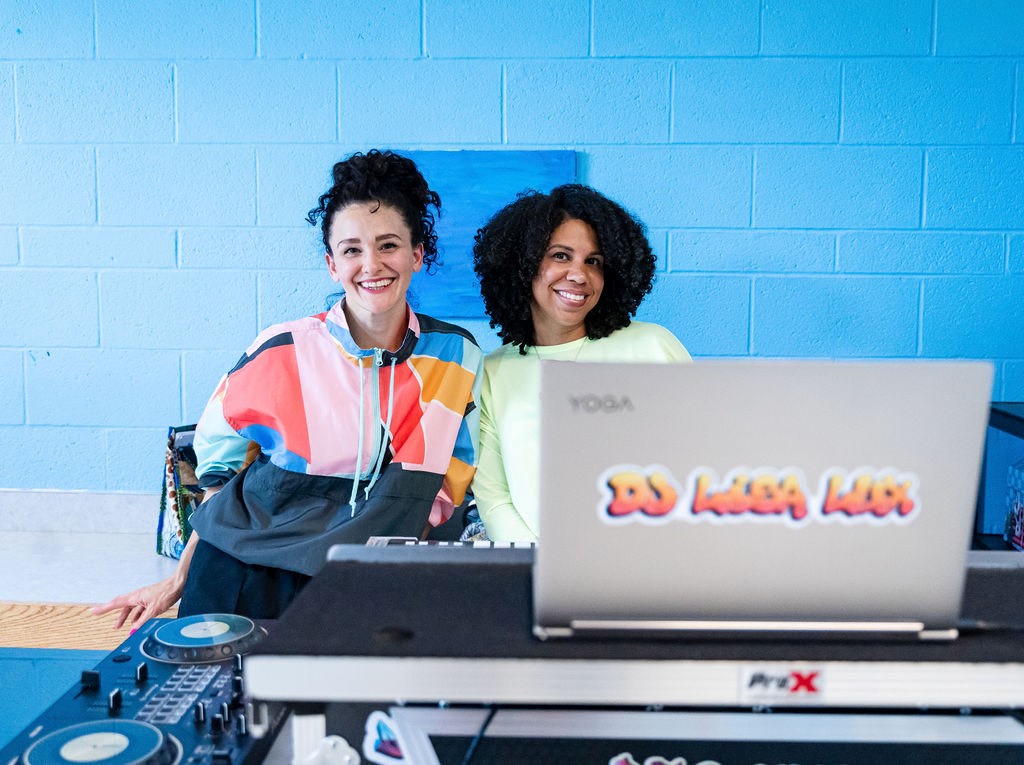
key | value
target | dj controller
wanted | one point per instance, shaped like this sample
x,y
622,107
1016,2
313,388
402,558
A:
x,y
171,694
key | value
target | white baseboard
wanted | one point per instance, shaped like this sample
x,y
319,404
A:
x,y
45,510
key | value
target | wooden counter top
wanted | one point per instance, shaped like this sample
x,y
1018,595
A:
x,y
59,625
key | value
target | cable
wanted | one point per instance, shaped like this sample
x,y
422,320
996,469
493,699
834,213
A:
x,y
471,749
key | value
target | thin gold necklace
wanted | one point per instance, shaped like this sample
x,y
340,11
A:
x,y
585,340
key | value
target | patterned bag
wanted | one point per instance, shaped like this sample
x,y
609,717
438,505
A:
x,y
180,495
1014,533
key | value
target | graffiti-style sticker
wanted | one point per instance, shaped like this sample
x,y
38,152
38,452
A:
x,y
760,494
631,493
626,758
381,742
872,496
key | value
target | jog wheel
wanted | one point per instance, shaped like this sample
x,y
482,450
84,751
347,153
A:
x,y
202,639
108,742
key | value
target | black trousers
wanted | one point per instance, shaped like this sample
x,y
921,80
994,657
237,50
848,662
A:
x,y
219,583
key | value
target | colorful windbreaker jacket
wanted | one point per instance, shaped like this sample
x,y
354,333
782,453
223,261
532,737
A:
x,y
353,443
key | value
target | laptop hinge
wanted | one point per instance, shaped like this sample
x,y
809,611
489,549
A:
x,y
778,630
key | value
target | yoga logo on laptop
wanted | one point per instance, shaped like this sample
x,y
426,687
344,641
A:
x,y
651,494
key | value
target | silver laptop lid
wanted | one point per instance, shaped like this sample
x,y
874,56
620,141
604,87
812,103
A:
x,y
797,495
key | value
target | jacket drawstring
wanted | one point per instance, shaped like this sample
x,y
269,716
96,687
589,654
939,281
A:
x,y
387,431
383,444
359,449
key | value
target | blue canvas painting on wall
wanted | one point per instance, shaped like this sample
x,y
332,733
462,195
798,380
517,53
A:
x,y
473,185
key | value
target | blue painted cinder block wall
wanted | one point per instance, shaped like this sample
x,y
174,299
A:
x,y
821,178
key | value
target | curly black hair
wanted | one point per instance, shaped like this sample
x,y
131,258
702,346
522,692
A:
x,y
388,179
508,251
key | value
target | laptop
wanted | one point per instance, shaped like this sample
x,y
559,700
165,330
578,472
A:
x,y
758,499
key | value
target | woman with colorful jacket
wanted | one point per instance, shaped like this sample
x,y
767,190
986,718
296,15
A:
x,y
364,416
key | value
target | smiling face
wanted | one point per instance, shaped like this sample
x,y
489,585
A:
x,y
568,283
373,258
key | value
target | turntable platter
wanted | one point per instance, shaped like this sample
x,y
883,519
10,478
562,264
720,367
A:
x,y
108,742
202,639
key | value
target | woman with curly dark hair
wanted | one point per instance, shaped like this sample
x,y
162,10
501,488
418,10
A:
x,y
561,275
364,416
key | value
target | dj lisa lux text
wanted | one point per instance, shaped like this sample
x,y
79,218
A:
x,y
858,495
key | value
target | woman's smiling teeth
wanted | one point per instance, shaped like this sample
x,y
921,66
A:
x,y
378,284
571,296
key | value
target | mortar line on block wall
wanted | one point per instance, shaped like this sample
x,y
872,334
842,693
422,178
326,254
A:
x,y
423,28
95,30
593,29
760,28
256,29
935,28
